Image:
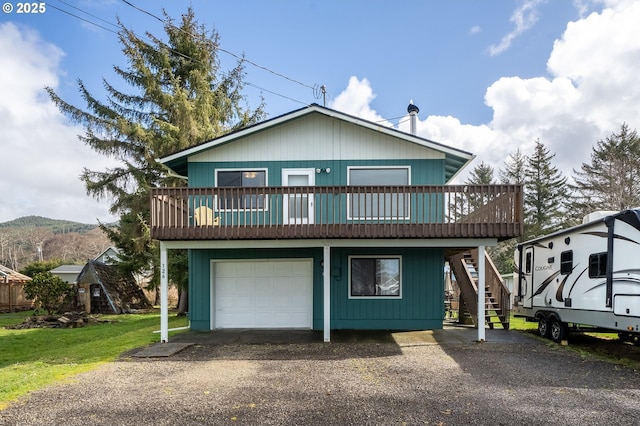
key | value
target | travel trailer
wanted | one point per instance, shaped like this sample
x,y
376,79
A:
x,y
587,275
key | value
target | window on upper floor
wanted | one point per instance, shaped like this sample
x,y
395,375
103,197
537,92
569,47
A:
x,y
379,205
246,178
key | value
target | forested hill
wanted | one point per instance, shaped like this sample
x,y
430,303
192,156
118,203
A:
x,y
56,226
35,238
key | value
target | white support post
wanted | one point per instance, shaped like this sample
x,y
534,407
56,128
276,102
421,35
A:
x,y
164,298
326,275
481,295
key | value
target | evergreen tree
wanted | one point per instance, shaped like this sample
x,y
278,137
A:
x,y
482,174
465,204
612,180
545,194
179,97
514,169
512,174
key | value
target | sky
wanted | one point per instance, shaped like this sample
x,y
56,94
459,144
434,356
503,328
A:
x,y
489,77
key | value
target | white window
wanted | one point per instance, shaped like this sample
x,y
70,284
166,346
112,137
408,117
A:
x,y
377,205
247,178
375,277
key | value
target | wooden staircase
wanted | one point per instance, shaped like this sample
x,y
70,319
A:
x,y
497,304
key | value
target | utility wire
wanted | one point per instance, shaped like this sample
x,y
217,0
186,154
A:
x,y
162,44
86,13
81,18
241,58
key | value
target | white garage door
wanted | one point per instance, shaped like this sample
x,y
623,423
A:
x,y
263,294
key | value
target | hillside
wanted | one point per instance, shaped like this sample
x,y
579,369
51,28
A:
x,y
31,238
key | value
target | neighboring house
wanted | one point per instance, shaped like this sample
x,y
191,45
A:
x,y
104,289
68,273
320,220
12,297
109,257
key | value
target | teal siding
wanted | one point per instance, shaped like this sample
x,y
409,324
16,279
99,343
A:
x,y
421,305
423,172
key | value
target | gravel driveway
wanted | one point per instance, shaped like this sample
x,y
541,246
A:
x,y
369,381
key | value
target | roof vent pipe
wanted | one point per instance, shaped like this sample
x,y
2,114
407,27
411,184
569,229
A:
x,y
413,115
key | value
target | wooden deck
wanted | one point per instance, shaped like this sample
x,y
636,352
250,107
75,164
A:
x,y
416,211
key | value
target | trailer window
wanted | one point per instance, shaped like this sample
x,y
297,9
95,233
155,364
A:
x,y
528,262
566,262
598,265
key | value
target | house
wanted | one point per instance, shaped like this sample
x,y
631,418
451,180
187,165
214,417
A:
x,y
104,289
68,273
321,220
109,256
12,297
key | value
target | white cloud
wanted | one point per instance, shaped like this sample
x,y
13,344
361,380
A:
x,y
42,157
356,100
523,18
592,90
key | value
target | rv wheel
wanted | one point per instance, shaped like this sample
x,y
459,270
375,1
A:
x,y
543,326
558,331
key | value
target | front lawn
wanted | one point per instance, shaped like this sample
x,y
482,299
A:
x,y
34,358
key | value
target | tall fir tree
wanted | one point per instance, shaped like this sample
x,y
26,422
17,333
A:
x,y
612,180
179,97
482,174
514,169
545,195
513,173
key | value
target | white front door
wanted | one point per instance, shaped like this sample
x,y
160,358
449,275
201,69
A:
x,y
298,206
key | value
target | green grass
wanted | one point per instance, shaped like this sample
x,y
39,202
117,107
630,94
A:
x,y
519,323
34,358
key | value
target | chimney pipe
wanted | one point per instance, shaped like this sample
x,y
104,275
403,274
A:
x,y
413,115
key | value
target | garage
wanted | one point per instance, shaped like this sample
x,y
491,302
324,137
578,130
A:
x,y
266,293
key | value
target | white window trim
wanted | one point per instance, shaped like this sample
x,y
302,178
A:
x,y
380,256
243,169
351,217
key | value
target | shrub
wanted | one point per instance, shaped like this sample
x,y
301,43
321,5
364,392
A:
x,y
48,291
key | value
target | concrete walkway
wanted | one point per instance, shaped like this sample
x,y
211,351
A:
x,y
450,334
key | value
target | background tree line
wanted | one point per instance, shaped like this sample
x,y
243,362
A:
x,y
37,239
553,200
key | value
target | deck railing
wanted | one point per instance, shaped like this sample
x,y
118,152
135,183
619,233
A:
x,y
414,211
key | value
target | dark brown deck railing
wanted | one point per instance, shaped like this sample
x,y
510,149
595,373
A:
x,y
420,211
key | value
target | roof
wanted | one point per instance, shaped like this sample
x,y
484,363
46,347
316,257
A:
x,y
67,269
7,275
122,290
455,159
629,216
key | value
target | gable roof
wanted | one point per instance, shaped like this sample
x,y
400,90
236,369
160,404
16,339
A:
x,y
9,275
122,291
67,269
455,159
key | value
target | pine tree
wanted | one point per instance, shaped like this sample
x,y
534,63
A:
x,y
612,180
512,174
179,97
545,194
514,169
482,174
